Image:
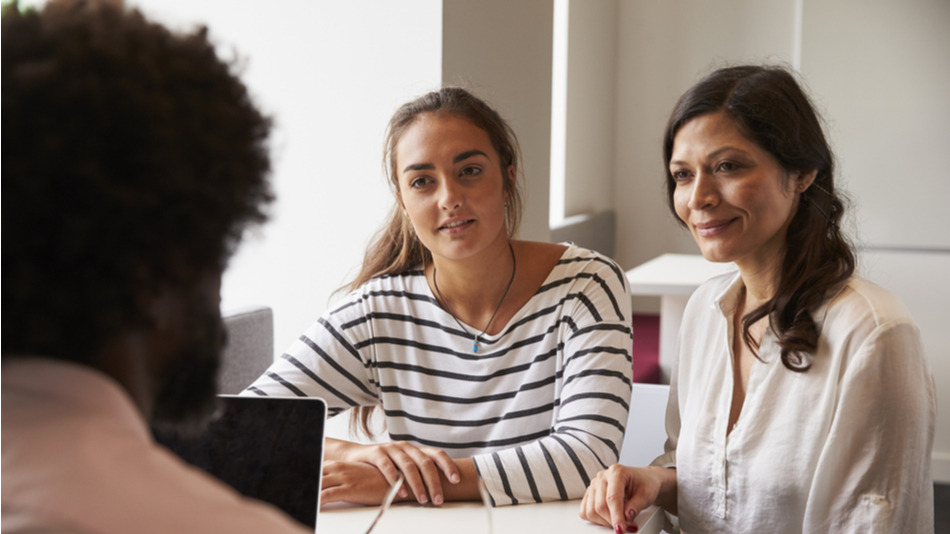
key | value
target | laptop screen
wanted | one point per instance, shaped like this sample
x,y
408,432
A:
x,y
267,448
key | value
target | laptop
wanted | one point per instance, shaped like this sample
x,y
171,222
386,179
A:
x,y
267,448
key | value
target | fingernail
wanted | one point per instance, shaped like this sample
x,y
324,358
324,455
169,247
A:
x,y
618,529
423,499
455,479
403,493
437,499
632,528
631,514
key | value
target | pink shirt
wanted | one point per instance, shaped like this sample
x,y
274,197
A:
x,y
78,457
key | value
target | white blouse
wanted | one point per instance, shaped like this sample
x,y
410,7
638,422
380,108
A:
x,y
842,447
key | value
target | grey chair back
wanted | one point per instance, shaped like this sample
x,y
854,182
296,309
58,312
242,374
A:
x,y
249,350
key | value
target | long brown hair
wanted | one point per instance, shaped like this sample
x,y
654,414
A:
x,y
771,110
396,248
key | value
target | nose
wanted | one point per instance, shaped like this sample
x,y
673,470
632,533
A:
x,y
450,197
705,193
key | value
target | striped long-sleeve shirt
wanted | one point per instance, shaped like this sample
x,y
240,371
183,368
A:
x,y
540,408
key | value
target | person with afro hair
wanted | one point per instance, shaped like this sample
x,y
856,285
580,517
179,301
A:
x,y
133,160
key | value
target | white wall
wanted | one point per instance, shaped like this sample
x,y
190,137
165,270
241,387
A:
x,y
591,90
881,70
331,74
502,51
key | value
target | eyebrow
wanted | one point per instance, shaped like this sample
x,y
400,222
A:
x,y
419,167
428,166
712,155
465,155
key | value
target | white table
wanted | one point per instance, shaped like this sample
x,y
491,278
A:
x,y
673,278
471,518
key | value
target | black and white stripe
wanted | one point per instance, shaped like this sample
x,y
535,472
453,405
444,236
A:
x,y
541,408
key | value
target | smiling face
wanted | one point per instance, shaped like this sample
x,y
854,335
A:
x,y
734,197
452,187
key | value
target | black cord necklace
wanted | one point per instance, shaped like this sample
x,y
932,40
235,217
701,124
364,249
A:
x,y
475,338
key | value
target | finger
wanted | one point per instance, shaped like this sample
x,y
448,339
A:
x,y
329,481
636,504
586,499
446,464
601,507
384,463
593,499
582,510
410,471
346,493
381,459
332,475
430,473
616,499
587,510
331,495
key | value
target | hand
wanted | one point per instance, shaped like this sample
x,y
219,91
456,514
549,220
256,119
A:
x,y
619,493
353,482
419,465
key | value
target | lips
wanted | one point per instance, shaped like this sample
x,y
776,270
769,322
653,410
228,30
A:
x,y
712,228
456,225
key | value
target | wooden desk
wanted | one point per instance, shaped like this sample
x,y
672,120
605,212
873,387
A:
x,y
673,278
471,517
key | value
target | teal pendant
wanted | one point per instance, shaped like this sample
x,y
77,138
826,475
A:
x,y
475,346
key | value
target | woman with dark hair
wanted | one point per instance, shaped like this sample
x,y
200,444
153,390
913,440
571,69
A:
x,y
800,400
492,358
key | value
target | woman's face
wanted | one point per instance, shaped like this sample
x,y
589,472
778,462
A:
x,y
736,198
452,187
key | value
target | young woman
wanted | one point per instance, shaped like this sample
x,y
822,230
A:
x,y
491,357
801,400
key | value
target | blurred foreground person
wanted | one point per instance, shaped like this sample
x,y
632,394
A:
x,y
133,159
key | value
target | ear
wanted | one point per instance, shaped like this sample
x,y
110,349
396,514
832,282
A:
x,y
804,180
512,178
159,305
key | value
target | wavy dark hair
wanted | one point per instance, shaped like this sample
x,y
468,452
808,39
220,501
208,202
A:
x,y
770,109
133,159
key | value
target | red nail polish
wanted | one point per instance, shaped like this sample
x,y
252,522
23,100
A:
x,y
632,528
618,529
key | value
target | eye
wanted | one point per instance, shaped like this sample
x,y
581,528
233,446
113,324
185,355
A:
x,y
727,166
680,175
419,182
471,170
